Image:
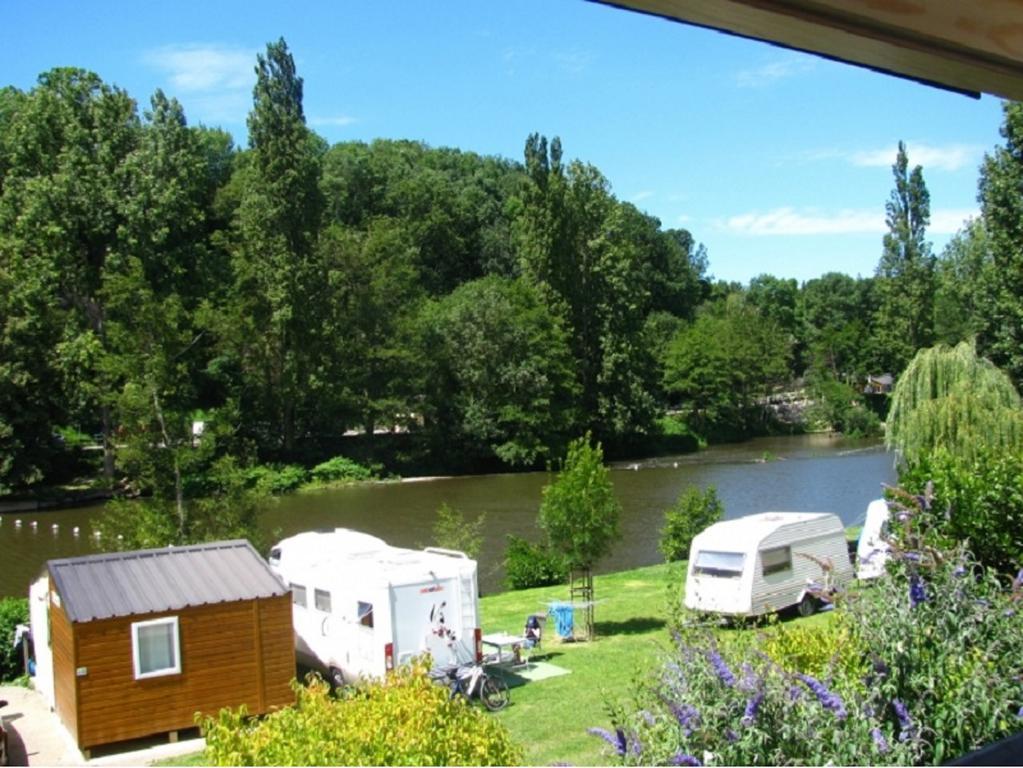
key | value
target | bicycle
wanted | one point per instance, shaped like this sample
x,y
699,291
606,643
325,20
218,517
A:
x,y
472,681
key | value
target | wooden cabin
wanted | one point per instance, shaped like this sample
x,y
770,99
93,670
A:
x,y
141,641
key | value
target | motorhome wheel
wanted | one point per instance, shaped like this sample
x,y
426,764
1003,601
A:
x,y
807,606
337,678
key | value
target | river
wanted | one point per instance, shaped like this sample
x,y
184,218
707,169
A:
x,y
814,473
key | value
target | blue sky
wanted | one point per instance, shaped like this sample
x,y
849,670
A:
x,y
777,161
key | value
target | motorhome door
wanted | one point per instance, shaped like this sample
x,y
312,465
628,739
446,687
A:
x,y
425,618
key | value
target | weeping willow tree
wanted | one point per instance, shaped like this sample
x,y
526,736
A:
x,y
949,399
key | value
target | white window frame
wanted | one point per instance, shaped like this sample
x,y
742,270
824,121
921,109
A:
x,y
176,635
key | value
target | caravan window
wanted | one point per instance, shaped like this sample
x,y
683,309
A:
x,y
298,595
725,564
322,598
366,614
777,560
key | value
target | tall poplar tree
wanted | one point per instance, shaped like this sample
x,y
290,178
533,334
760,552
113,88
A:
x,y
905,283
273,326
581,247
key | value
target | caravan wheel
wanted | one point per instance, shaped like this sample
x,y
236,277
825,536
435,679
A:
x,y
807,606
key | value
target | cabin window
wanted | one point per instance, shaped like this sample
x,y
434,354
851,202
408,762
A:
x,y
777,560
366,614
322,598
725,564
156,648
275,556
298,596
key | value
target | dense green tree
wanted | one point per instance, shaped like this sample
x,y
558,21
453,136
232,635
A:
x,y
835,313
721,367
154,283
778,299
501,379
371,299
693,511
963,276
1001,201
582,249
950,399
64,148
905,274
272,323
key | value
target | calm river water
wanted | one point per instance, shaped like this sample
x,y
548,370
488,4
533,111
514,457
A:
x,y
812,473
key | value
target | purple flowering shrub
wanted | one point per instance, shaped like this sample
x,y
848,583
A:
x,y
945,637
724,701
926,664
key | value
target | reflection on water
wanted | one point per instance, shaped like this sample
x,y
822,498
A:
x,y
814,473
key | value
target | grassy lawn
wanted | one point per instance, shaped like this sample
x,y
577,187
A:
x,y
550,717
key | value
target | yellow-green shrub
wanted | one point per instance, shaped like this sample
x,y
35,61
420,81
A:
x,y
404,720
814,649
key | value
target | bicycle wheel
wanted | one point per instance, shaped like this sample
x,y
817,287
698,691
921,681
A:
x,y
494,693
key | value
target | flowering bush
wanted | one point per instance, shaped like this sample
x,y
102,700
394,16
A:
x,y
925,666
405,720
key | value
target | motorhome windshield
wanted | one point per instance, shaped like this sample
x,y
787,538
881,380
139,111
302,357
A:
x,y
724,564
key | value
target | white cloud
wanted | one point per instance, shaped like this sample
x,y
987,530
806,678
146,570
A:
x,y
948,221
639,197
772,72
950,157
202,68
788,221
339,121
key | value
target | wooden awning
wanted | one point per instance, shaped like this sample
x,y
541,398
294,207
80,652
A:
x,y
969,46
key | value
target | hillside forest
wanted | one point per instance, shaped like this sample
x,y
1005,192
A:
x,y
183,303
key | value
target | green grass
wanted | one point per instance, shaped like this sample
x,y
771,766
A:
x,y
550,717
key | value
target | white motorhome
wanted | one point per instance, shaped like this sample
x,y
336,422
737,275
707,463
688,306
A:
x,y
872,551
361,606
766,562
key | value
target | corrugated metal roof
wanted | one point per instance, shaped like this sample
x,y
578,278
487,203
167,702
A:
x,y
157,580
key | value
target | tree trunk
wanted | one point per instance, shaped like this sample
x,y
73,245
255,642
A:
x,y
179,495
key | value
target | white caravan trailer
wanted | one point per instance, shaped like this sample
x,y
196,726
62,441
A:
x,y
872,550
361,606
766,562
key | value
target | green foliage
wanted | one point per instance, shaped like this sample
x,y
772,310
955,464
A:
x,y
905,274
950,399
917,668
579,510
222,504
528,565
585,252
979,501
964,277
341,469
693,511
452,531
405,720
721,367
13,611
278,478
1001,203
839,407
501,378
835,311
